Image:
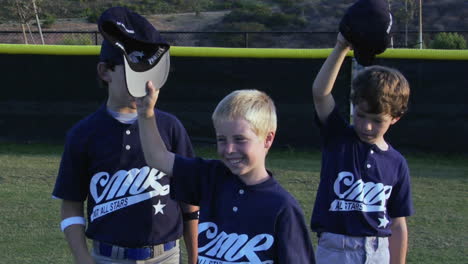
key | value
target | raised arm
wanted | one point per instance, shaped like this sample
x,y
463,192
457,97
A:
x,y
154,149
323,84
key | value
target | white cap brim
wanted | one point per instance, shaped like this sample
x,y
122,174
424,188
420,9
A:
x,y
136,81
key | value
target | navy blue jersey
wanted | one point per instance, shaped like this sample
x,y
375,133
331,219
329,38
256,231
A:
x,y
361,187
241,223
128,203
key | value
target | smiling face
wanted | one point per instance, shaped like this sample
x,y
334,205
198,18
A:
x,y
241,150
370,127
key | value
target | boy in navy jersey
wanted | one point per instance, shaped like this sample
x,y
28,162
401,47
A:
x,y
131,217
364,192
245,215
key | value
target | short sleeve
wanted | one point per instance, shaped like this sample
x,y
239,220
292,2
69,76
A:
x,y
334,126
400,203
190,176
71,183
294,245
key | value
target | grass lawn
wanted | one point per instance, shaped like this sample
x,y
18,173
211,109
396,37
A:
x,y
29,218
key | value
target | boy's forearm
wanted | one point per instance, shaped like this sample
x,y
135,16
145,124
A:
x,y
326,77
154,149
191,234
75,234
323,84
398,241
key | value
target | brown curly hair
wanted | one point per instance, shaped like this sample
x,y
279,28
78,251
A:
x,y
385,90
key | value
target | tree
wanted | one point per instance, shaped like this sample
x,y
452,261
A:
x,y
37,20
405,10
446,40
26,11
195,6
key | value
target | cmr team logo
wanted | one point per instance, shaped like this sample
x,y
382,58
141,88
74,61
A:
x,y
223,248
126,188
358,195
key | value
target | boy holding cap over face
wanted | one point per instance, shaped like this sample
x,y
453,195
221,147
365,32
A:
x,y
130,215
364,194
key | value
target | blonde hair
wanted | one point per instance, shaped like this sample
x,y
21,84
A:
x,y
384,89
254,106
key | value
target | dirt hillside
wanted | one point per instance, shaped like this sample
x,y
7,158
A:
x,y
171,22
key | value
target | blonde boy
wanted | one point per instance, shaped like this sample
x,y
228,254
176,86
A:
x,y
245,215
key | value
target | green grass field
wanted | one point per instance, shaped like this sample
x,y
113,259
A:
x,y
29,217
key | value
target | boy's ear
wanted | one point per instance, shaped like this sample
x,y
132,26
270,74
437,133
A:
x,y
269,139
394,120
103,72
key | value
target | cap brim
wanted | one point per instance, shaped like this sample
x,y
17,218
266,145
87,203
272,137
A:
x,y
136,81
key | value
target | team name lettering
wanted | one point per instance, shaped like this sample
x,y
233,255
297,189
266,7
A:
x,y
133,182
230,248
109,208
359,195
128,187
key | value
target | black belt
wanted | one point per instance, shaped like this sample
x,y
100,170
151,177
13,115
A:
x,y
141,253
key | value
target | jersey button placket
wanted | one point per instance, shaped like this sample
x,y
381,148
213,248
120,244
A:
x,y
369,157
129,146
128,132
240,195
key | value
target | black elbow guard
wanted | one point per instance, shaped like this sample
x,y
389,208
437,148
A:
x,y
191,216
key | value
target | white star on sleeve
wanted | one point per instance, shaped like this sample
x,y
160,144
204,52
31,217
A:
x,y
159,208
383,222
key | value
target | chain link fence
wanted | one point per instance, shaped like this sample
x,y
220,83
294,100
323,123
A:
x,y
219,39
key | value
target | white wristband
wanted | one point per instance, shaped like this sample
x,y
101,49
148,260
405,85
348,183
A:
x,y
75,220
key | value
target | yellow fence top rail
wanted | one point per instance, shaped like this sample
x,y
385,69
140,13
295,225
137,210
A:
x,y
422,54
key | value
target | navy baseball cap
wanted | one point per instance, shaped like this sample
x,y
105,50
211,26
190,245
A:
x,y
366,25
131,40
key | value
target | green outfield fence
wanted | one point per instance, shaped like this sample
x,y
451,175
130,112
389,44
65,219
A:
x,y
48,88
246,39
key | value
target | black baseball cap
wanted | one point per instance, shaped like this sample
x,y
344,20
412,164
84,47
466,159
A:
x,y
131,40
366,25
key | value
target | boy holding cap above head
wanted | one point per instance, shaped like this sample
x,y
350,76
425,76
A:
x,y
130,215
366,25
364,194
245,215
